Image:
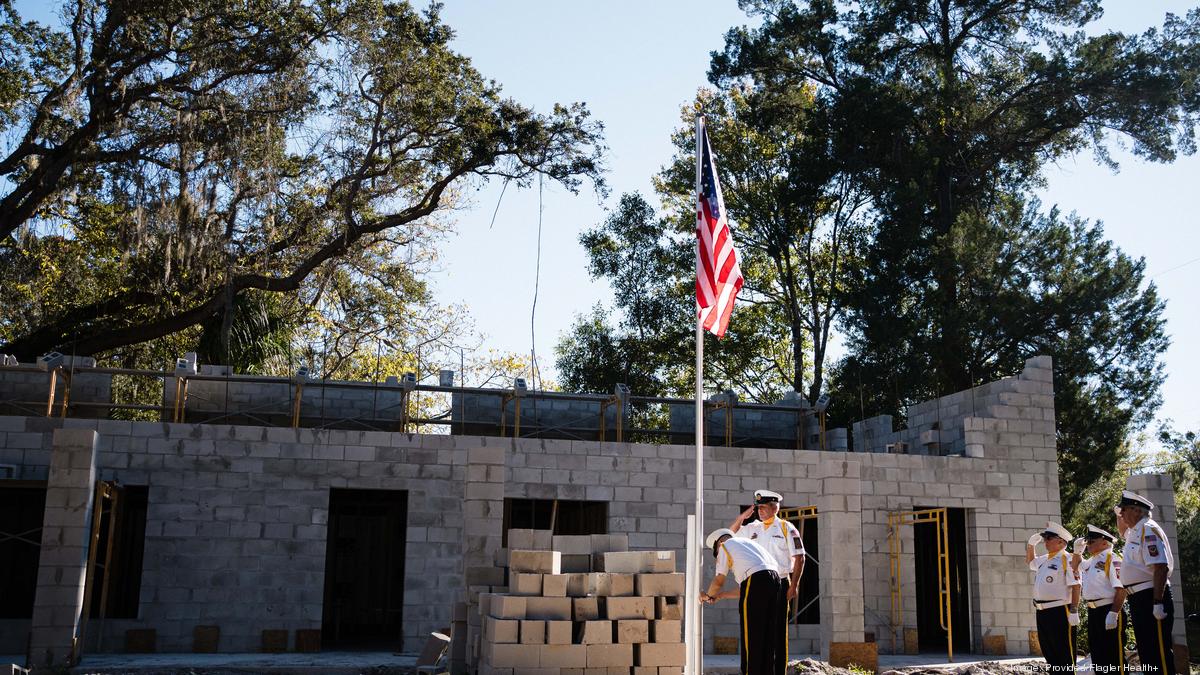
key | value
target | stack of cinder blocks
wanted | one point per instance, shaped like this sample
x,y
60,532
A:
x,y
583,605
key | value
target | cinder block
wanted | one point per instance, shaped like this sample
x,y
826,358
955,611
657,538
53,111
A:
x,y
670,670
607,543
559,633
608,584
530,540
563,656
587,609
572,563
662,562
578,585
537,562
554,585
594,632
660,654
524,583
668,608
633,631
548,609
625,562
645,670
666,630
501,631
609,656
533,632
510,656
508,606
629,608
573,544
653,585
485,576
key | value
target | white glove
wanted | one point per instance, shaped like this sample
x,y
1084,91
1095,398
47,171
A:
x,y
1073,618
1110,621
1079,545
1035,539
1159,612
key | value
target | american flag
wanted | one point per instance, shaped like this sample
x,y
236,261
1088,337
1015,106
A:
x,y
718,277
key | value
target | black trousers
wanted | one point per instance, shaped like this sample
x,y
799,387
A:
x,y
758,607
781,646
1057,637
1107,646
1153,636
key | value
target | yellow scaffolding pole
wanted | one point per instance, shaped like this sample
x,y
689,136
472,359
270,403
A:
x,y
940,519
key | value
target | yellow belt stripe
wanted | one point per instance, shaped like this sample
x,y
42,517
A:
x,y
1162,652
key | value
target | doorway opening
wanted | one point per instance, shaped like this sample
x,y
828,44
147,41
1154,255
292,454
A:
x,y
364,569
930,634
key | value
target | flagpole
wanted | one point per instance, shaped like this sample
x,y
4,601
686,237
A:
x,y
697,630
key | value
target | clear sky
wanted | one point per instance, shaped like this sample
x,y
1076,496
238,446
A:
x,y
635,64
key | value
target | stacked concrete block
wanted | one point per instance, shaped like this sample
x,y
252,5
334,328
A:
x,y
25,389
604,621
547,414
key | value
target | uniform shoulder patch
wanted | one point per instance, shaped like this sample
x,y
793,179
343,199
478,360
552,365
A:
x,y
796,542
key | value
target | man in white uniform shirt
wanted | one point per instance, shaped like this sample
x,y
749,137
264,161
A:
x,y
1103,595
758,599
1145,572
1055,597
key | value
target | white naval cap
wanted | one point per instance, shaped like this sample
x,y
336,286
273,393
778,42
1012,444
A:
x,y
1056,530
716,535
1094,532
764,496
1134,499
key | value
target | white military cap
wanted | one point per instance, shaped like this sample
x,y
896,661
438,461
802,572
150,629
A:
x,y
1134,499
1094,532
1056,530
764,496
716,535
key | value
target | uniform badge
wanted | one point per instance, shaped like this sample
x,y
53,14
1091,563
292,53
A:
x,y
1152,548
797,543
1049,580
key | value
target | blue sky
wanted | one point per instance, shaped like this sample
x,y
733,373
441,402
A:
x,y
635,64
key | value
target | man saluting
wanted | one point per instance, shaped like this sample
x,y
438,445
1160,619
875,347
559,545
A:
x,y
1145,573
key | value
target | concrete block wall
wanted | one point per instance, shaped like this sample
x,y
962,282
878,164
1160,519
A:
x,y
270,403
754,426
964,422
25,392
237,516
475,413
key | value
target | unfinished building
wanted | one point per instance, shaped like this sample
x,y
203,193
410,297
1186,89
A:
x,y
288,514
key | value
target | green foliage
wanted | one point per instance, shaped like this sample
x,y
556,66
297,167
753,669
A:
x,y
263,175
948,112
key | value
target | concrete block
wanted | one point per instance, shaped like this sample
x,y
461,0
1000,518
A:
x,y
530,540
573,563
633,631
533,632
510,655
629,608
666,630
653,585
662,561
554,585
536,562
610,656
578,585
587,609
610,585
559,632
524,583
572,544
670,670
548,609
668,608
664,654
563,656
606,543
594,632
625,562
501,631
508,606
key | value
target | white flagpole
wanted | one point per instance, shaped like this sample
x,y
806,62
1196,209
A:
x,y
697,630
